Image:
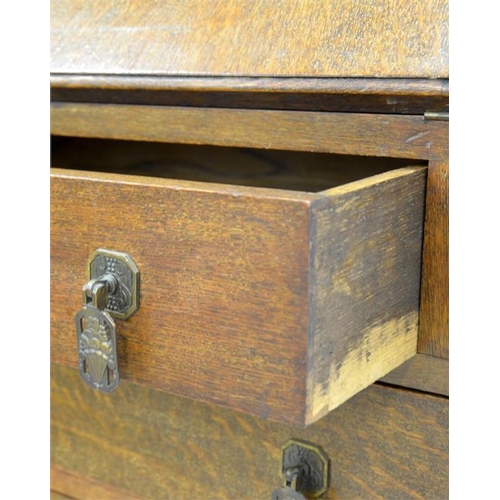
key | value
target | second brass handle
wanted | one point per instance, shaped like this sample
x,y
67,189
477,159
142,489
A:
x,y
305,468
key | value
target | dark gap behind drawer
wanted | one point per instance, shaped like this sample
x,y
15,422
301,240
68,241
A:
x,y
291,170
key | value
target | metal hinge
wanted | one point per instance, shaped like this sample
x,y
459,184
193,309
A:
x,y
440,116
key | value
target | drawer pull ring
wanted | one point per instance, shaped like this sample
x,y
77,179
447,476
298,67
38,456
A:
x,y
111,292
305,470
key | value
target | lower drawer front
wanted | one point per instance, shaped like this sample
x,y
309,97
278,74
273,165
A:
x,y
383,443
277,303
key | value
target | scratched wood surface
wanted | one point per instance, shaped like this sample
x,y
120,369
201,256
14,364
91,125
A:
x,y
359,134
385,38
434,310
361,95
231,301
384,443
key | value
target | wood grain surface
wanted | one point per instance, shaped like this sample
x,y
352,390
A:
x,y
54,495
362,95
434,310
80,487
341,133
422,372
385,38
416,87
384,443
233,292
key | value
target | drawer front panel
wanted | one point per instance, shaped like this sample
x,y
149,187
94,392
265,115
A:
x,y
224,286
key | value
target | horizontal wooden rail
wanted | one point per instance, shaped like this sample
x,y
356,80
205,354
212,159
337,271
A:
x,y
342,133
422,372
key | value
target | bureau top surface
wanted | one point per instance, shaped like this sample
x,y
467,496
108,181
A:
x,y
262,38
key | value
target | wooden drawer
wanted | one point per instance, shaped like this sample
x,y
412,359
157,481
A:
x,y
280,303
384,443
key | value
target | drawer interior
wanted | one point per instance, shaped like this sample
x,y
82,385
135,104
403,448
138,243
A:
x,y
290,170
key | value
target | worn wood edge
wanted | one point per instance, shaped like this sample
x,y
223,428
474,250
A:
x,y
361,86
421,372
400,136
181,185
73,485
389,343
358,95
402,348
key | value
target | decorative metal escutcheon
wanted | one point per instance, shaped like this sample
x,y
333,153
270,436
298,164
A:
x,y
305,471
111,292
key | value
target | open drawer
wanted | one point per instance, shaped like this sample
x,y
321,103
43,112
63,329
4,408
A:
x,y
281,301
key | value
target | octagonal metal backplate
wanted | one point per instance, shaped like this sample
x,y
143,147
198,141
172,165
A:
x,y
314,465
124,300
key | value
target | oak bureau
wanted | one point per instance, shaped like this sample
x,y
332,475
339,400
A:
x,y
249,249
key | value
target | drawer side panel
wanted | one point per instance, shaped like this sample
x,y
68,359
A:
x,y
366,263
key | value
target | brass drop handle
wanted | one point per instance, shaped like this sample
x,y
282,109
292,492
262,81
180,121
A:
x,y
112,292
289,490
305,470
